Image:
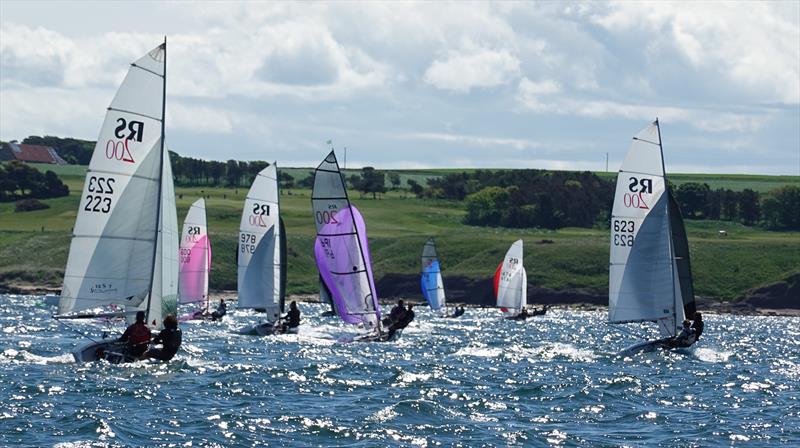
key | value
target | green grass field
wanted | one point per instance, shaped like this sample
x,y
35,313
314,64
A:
x,y
34,245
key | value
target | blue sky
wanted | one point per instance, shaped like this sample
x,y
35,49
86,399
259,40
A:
x,y
406,85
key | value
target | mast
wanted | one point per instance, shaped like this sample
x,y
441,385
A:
x,y
160,180
669,224
358,239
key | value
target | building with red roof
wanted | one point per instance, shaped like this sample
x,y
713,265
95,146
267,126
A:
x,y
30,153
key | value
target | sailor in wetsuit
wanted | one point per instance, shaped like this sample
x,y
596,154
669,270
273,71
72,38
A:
x,y
698,325
686,337
406,319
137,337
222,309
170,338
292,318
397,313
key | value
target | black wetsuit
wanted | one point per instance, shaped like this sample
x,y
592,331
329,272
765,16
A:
x,y
171,339
396,314
406,319
222,309
294,318
698,329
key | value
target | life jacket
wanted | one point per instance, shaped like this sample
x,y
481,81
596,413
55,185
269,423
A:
x,y
139,334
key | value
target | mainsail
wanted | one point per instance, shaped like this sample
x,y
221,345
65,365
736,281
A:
x,y
262,247
432,286
195,256
511,281
644,284
341,248
116,251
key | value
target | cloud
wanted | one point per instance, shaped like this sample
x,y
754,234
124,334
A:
x,y
473,140
481,69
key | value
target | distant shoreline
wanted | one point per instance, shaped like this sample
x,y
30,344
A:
x,y
738,307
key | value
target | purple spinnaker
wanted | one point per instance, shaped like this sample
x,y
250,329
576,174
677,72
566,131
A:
x,y
344,271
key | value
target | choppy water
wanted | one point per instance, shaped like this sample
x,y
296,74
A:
x,y
475,381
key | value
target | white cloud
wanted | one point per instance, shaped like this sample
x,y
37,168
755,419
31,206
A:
x,y
461,73
475,140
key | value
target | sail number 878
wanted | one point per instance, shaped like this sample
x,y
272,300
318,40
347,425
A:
x,y
623,232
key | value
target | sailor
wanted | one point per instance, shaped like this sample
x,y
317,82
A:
x,y
137,336
698,325
397,312
686,337
522,314
170,338
405,319
292,317
459,311
222,309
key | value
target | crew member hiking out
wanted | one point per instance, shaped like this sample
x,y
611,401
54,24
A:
x,y
292,317
137,337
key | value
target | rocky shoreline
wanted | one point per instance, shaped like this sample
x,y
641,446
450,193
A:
x,y
778,299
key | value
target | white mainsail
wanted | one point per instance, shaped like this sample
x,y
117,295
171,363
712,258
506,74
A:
x,y
260,240
163,298
115,238
511,280
195,256
643,285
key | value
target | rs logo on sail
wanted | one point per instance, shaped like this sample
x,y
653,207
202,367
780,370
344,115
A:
x,y
638,187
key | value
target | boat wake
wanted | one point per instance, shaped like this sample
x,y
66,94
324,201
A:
x,y
11,356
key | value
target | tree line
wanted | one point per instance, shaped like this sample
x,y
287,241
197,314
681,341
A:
x,y
19,180
555,199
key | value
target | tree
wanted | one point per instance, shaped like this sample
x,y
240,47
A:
x,y
691,198
749,207
415,187
394,179
781,208
729,203
232,173
372,181
286,180
485,207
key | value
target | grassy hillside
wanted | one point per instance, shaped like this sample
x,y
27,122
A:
x,y
34,245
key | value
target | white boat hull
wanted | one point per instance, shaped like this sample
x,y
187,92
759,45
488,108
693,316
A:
x,y
109,349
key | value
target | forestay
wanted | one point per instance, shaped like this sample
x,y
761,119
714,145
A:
x,y
341,248
432,286
113,248
642,281
262,246
511,280
195,256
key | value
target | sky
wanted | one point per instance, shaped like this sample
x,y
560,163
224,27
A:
x,y
555,85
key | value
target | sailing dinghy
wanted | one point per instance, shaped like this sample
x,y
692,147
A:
x,y
262,254
195,261
650,278
431,281
511,284
341,251
124,248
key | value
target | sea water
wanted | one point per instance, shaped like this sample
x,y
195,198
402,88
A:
x,y
474,381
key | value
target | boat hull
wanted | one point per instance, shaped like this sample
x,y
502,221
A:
x,y
109,349
267,329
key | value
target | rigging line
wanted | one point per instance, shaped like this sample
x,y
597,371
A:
x,y
71,328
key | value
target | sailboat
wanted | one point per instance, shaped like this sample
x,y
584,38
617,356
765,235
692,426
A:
x,y
195,261
431,281
341,251
650,278
124,248
511,283
262,253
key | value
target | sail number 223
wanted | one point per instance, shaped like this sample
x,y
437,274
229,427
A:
x,y
96,200
623,232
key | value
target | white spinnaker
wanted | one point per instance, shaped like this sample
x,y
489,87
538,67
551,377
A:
x,y
642,281
194,255
512,285
164,297
259,275
111,253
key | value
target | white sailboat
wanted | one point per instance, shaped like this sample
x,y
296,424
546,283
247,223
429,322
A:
x,y
431,281
511,283
195,260
262,253
649,275
124,249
